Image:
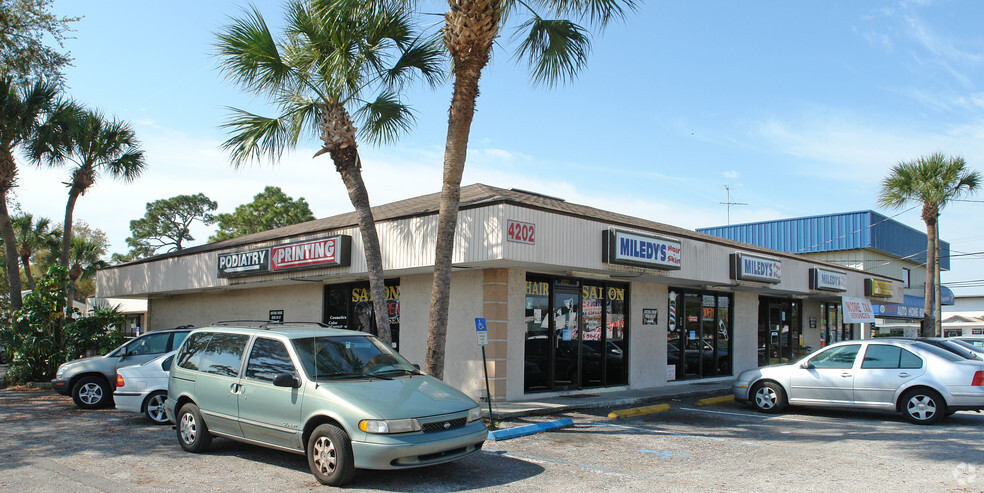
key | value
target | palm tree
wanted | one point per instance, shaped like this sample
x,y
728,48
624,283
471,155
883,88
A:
x,y
92,145
331,54
85,258
933,181
555,49
33,236
20,111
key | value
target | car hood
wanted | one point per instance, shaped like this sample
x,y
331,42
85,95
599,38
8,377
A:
x,y
405,397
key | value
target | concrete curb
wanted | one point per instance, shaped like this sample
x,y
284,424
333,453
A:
x,y
519,431
710,401
639,411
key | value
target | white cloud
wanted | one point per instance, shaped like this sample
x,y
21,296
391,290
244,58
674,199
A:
x,y
731,175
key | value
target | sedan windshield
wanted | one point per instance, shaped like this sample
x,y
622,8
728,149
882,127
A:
x,y
335,357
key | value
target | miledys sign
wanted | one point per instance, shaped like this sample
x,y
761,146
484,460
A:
x,y
623,247
335,251
745,267
828,280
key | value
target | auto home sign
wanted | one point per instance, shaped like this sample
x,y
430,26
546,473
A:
x,y
244,263
623,247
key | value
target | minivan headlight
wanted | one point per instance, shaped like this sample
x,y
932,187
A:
x,y
383,426
61,371
474,414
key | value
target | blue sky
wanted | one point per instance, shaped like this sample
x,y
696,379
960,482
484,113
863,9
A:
x,y
801,108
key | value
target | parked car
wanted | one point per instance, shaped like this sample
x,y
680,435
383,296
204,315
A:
x,y
340,397
955,347
143,388
924,382
975,341
700,350
90,381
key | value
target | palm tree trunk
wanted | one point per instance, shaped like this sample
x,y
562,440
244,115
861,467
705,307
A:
x,y
352,177
66,246
928,328
470,28
11,255
938,315
26,261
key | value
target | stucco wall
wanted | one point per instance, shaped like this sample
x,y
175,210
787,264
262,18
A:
x,y
300,303
647,343
746,306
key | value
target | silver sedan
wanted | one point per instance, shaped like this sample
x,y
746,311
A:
x,y
923,382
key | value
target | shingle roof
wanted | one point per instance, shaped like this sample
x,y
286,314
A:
x,y
472,196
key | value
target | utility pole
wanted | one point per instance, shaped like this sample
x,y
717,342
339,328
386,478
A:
x,y
729,203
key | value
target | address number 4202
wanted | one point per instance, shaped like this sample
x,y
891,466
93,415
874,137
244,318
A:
x,y
520,232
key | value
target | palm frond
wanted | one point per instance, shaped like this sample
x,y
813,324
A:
x,y
254,137
249,54
596,12
384,119
556,50
423,58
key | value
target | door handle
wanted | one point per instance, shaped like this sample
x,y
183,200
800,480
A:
x,y
235,388
845,374
903,374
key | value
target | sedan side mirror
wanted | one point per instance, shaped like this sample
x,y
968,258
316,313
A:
x,y
286,380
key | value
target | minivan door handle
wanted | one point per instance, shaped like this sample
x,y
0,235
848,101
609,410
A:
x,y
236,388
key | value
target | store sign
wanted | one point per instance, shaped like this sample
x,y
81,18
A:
x,y
827,280
745,267
874,287
244,263
911,307
329,252
623,247
857,310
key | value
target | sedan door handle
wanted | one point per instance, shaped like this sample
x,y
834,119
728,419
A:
x,y
845,374
903,374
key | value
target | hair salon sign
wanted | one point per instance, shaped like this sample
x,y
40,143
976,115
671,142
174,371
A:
x,y
745,267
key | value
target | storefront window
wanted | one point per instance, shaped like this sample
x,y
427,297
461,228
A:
x,y
780,337
575,334
699,335
349,306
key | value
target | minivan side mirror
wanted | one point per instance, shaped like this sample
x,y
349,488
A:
x,y
806,365
286,380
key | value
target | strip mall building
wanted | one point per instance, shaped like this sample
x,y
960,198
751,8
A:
x,y
574,297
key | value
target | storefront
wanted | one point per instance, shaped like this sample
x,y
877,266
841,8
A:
x,y
575,298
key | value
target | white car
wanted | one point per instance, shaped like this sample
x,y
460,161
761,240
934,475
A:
x,y
143,388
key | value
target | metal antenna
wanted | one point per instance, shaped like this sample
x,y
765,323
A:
x,y
729,203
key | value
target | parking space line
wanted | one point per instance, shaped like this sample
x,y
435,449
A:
x,y
759,416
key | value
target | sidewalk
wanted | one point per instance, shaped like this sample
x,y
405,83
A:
x,y
610,400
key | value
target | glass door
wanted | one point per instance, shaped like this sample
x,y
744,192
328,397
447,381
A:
x,y
566,337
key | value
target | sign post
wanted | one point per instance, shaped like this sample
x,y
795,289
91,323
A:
x,y
482,331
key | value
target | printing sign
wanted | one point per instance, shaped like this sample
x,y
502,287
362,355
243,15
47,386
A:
x,y
244,263
623,247
745,267
328,252
828,280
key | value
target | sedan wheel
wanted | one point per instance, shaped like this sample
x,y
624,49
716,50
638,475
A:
x,y
154,408
923,407
91,393
768,397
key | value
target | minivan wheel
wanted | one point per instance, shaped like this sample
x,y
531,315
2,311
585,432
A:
x,y
329,454
154,407
768,397
923,406
193,435
91,393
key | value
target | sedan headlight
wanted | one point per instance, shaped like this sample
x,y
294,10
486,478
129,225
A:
x,y
474,414
383,426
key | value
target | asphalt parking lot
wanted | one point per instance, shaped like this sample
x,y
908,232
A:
x,y
47,444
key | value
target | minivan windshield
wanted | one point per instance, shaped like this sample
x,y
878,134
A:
x,y
336,357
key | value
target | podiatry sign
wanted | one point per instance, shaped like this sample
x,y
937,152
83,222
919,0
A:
x,y
334,251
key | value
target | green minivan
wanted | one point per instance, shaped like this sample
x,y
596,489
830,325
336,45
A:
x,y
340,397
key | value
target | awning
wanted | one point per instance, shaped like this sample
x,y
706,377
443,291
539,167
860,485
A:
x,y
857,310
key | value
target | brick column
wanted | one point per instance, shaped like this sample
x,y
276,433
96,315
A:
x,y
495,291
